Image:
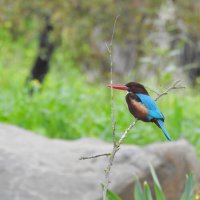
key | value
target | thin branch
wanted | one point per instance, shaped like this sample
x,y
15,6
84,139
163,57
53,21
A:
x,y
109,48
112,157
107,171
113,31
126,132
173,87
115,149
95,156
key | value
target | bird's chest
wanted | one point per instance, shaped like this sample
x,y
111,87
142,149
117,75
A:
x,y
136,108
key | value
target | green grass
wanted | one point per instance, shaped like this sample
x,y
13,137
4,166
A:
x,y
69,107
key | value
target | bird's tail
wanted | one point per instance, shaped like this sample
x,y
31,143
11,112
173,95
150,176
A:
x,y
161,124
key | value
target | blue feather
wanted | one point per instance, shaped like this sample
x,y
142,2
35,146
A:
x,y
161,123
147,101
154,112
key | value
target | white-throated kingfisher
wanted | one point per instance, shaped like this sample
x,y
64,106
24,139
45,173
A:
x,y
141,105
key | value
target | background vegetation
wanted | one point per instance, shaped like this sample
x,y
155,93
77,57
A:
x,y
151,39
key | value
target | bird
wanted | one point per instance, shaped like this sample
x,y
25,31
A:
x,y
141,105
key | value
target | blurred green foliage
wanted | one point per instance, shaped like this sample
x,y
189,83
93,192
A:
x,y
81,27
66,106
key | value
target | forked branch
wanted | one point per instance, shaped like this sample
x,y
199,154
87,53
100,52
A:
x,y
174,86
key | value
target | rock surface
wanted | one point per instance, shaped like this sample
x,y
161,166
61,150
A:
x,y
33,167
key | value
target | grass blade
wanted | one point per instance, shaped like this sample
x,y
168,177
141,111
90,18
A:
x,y
147,191
188,193
157,187
138,192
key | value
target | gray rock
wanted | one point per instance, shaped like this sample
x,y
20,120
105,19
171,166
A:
x,y
33,167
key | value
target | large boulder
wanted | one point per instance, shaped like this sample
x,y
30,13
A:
x,y
34,167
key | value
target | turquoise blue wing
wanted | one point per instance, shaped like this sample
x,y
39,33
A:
x,y
154,112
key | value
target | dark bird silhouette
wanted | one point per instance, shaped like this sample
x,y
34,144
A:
x,y
141,105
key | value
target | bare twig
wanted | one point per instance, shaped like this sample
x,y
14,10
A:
x,y
95,156
126,132
172,87
115,149
112,156
109,48
113,31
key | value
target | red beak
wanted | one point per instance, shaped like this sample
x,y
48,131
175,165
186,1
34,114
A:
x,y
118,87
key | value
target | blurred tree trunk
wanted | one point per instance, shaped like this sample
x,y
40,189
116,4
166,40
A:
x,y
42,61
190,59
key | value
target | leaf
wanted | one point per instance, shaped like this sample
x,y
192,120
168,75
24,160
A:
x,y
188,193
112,196
158,190
138,192
155,178
147,192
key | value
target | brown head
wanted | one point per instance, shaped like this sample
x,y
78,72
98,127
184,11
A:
x,y
133,87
